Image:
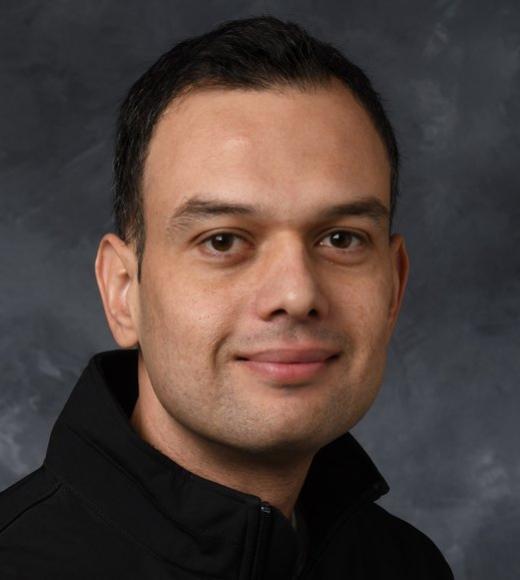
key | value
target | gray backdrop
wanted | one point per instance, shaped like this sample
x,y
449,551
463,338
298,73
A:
x,y
444,430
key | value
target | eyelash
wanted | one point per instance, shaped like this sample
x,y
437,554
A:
x,y
360,238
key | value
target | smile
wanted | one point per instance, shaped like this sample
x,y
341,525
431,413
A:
x,y
288,372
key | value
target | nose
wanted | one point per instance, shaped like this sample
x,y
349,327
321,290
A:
x,y
288,283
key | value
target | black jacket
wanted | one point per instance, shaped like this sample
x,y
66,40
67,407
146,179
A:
x,y
107,505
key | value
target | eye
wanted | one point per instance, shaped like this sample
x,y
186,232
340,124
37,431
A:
x,y
344,238
220,242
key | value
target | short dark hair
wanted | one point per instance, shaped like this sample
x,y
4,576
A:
x,y
253,53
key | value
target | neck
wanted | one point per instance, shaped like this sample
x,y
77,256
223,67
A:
x,y
272,479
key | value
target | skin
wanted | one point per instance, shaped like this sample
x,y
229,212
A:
x,y
283,280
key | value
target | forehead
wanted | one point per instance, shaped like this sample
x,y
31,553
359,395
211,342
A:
x,y
273,147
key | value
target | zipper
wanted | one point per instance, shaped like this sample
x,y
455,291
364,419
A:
x,y
261,541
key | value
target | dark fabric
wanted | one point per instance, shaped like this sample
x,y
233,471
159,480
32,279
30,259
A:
x,y
303,541
106,505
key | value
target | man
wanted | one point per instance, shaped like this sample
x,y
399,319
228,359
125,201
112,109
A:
x,y
253,287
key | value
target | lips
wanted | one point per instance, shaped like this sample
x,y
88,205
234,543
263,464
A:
x,y
289,365
286,355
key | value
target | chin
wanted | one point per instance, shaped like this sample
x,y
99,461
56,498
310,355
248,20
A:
x,y
286,442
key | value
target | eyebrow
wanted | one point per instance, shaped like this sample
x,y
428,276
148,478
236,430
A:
x,y
200,208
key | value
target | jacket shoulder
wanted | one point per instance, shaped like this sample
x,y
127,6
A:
x,y
48,531
25,494
410,544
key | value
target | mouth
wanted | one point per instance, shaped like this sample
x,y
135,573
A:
x,y
288,372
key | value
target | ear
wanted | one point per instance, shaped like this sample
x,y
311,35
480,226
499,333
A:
x,y
400,264
116,275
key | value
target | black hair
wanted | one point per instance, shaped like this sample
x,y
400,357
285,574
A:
x,y
254,53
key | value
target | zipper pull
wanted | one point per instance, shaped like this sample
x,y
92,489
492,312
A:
x,y
265,508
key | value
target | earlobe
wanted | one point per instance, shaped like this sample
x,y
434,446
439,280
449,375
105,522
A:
x,y
116,278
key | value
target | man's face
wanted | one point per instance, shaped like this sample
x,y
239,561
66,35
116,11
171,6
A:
x,y
283,277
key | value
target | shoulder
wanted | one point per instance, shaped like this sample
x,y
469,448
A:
x,y
48,532
24,521
25,494
412,546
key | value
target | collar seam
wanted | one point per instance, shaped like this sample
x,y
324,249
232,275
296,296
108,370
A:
x,y
142,489
96,510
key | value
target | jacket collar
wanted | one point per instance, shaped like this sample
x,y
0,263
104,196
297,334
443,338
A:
x,y
191,523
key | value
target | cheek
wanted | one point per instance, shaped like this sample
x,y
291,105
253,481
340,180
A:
x,y
184,316
364,320
366,305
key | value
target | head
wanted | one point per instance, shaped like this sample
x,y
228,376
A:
x,y
255,184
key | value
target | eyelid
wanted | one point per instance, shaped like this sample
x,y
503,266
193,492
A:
x,y
363,239
219,233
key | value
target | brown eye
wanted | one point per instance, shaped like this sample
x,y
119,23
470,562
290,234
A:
x,y
342,239
221,244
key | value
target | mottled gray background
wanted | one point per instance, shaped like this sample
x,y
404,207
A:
x,y
444,430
